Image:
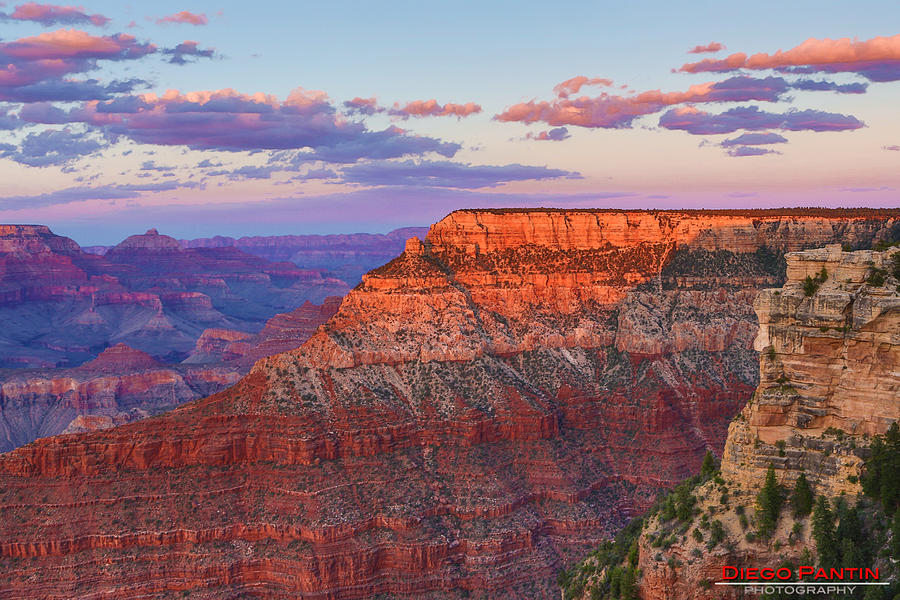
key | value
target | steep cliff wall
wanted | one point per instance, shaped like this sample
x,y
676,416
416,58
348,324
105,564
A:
x,y
479,411
829,362
829,343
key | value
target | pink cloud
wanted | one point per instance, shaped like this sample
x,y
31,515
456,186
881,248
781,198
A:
x,y
49,14
185,17
892,148
710,47
365,106
554,135
574,85
431,108
231,121
877,59
35,68
75,44
613,111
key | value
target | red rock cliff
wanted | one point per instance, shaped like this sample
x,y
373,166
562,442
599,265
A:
x,y
829,379
479,411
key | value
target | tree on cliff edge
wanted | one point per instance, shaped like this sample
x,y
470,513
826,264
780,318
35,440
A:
x,y
768,504
708,468
823,533
802,497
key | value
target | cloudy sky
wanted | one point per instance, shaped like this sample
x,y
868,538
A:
x,y
268,117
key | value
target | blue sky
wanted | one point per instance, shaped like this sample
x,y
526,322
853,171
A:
x,y
99,177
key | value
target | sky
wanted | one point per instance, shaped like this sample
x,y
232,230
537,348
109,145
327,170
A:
x,y
267,118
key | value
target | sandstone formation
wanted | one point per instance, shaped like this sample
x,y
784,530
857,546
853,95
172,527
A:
x,y
829,380
829,363
478,412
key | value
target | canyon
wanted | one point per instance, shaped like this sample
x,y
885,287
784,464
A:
x,y
829,343
62,306
344,256
478,412
99,340
123,384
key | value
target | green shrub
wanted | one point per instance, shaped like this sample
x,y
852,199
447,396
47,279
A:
x,y
780,444
708,468
811,284
716,534
876,277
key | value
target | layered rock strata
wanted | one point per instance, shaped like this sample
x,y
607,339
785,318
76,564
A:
x,y
119,386
829,344
479,411
61,306
123,385
829,358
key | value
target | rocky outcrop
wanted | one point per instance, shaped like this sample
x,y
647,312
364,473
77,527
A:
x,y
479,411
829,344
829,363
120,358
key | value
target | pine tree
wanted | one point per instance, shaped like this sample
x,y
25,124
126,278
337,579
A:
x,y
629,585
708,468
890,470
615,582
768,504
633,554
823,533
802,497
881,478
895,536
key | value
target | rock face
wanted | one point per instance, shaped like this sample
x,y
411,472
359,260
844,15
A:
x,y
829,362
829,379
480,410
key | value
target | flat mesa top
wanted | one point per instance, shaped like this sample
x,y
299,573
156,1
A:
x,y
730,212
